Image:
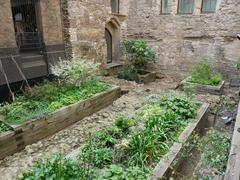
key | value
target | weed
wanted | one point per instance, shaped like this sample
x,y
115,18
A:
x,y
3,127
203,73
216,150
56,168
114,172
124,123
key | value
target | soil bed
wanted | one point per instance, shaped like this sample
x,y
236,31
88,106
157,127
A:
x,y
206,89
37,129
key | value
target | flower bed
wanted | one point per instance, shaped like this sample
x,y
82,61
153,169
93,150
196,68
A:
x,y
201,88
133,147
47,109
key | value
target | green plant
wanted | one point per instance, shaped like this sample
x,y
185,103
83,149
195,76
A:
x,y
128,73
75,71
115,172
46,98
161,129
216,146
3,127
182,105
56,168
203,73
124,123
138,52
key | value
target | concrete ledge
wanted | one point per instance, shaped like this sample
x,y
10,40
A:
x,y
163,168
37,129
205,89
233,166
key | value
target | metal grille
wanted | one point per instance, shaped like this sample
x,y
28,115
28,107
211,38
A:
x,y
25,24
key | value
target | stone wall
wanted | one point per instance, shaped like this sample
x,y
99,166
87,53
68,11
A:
x,y
87,20
182,40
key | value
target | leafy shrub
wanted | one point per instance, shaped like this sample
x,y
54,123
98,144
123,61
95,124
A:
x,y
44,99
124,123
75,71
128,73
114,172
3,127
203,73
178,103
138,52
56,168
216,146
98,151
102,157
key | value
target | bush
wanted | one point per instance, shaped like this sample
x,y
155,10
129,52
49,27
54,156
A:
x,y
203,73
56,168
3,127
128,73
124,123
138,52
75,71
178,103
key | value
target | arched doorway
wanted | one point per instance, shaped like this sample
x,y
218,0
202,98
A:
x,y
112,36
109,41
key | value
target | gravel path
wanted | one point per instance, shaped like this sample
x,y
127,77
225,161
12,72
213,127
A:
x,y
74,136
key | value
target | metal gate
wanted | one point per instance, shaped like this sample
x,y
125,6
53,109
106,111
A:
x,y
25,24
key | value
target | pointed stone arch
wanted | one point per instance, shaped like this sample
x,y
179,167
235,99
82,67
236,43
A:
x,y
112,36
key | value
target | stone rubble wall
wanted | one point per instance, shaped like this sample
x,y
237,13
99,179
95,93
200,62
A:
x,y
182,40
87,20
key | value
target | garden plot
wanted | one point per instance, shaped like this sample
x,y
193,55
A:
x,y
132,146
49,108
74,136
204,79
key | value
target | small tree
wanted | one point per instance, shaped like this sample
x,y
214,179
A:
x,y
75,71
138,53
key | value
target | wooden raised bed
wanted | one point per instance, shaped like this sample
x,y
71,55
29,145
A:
x,y
163,170
146,77
37,129
233,166
206,89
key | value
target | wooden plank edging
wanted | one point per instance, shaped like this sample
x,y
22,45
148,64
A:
x,y
233,166
164,166
37,129
201,88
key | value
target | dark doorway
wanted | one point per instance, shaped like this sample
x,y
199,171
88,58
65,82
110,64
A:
x,y
25,24
109,40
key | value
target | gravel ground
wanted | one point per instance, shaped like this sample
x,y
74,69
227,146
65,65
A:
x,y
74,136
